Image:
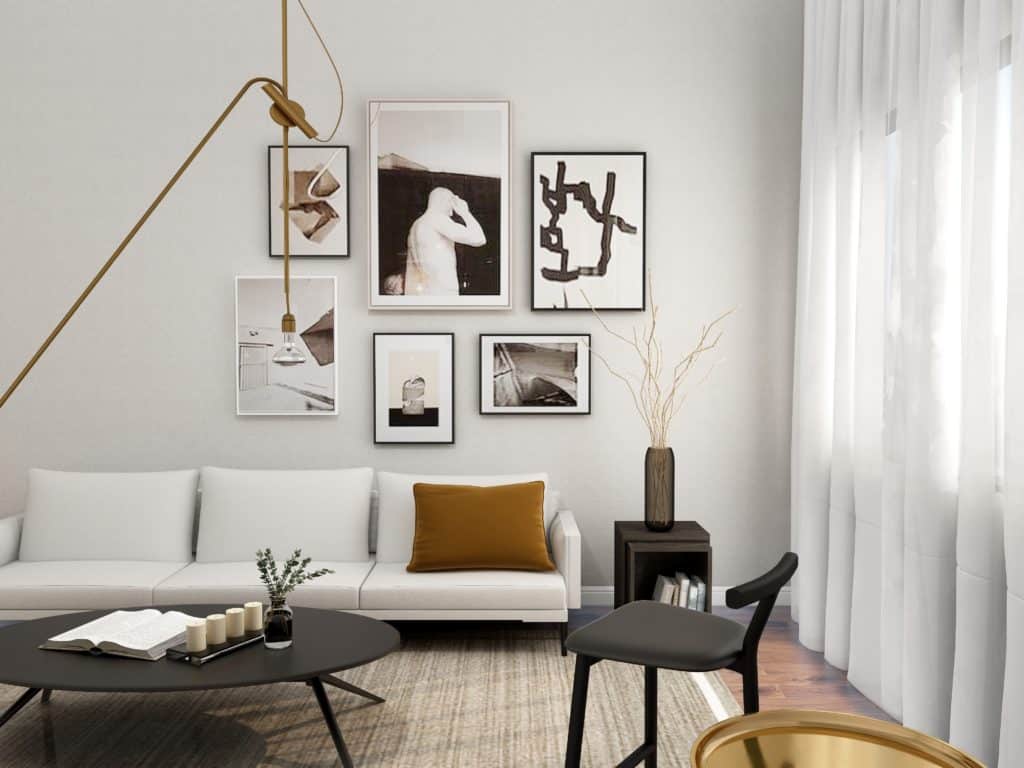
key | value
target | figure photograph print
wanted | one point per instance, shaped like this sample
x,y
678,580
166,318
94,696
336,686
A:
x,y
318,204
588,230
414,399
285,374
439,211
540,374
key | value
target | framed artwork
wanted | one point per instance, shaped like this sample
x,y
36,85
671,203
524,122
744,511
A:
x,y
544,373
266,388
414,388
318,209
439,204
588,230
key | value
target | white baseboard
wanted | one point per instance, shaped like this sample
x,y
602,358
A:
x,y
597,597
604,597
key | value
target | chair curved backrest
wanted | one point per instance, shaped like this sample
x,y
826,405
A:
x,y
764,590
766,584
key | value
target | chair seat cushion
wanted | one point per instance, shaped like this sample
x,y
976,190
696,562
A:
x,y
660,635
81,584
239,582
391,587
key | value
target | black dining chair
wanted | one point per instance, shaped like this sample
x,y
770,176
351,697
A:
x,y
656,635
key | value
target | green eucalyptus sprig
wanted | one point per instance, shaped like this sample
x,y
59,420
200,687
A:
x,y
295,572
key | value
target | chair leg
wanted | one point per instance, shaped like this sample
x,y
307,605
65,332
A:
x,y
651,715
563,633
578,713
751,702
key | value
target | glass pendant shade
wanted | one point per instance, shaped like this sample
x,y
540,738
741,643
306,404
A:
x,y
289,353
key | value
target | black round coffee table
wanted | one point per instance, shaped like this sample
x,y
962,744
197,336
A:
x,y
325,642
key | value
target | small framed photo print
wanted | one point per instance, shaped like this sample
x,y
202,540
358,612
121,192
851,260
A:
x,y
439,204
536,373
588,230
414,388
268,382
318,208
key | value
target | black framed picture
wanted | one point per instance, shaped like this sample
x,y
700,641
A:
x,y
414,388
539,373
438,204
588,230
318,208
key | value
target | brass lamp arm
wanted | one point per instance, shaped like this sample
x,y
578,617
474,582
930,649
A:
x,y
284,112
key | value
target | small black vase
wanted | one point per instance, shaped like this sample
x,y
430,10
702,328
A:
x,y
659,489
277,625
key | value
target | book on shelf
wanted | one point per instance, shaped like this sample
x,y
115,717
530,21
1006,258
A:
x,y
698,589
665,589
682,594
145,634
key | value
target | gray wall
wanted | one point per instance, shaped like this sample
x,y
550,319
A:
x,y
103,99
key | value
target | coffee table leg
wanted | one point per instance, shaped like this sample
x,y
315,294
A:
x,y
47,692
332,722
337,682
12,710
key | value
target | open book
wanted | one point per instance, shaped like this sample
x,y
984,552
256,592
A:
x,y
145,634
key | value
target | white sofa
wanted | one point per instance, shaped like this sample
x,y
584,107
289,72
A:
x,y
108,540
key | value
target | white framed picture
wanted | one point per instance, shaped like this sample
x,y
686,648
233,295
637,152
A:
x,y
414,388
439,204
588,229
543,373
318,208
295,387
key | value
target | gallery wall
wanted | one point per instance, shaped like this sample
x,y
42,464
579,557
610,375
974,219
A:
x,y
104,99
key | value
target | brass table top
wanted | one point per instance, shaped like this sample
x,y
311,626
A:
x,y
795,738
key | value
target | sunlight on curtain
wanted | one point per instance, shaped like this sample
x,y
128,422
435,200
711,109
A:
x,y
900,408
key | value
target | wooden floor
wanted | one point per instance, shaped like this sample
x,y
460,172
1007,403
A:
x,y
791,676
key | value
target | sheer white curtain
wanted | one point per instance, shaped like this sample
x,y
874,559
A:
x,y
908,420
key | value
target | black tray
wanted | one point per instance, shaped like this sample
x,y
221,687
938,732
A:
x,y
198,658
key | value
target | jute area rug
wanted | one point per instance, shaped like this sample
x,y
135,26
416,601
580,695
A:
x,y
477,696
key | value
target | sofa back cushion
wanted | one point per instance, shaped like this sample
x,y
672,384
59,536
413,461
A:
x,y
396,506
109,516
323,512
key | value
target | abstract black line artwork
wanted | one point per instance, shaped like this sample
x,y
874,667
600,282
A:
x,y
556,200
589,230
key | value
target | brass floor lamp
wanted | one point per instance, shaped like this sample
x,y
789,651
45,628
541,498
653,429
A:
x,y
283,111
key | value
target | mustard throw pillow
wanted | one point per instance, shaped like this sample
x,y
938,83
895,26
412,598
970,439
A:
x,y
476,527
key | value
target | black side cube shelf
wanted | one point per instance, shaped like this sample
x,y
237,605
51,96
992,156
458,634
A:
x,y
642,555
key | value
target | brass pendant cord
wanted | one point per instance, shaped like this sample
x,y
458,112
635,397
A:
x,y
337,76
288,321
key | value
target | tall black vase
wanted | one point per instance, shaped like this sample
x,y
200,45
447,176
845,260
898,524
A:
x,y
659,489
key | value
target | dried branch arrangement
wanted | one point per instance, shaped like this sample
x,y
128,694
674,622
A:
x,y
659,391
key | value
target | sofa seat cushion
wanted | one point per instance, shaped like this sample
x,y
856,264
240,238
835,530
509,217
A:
x,y
81,584
390,587
239,582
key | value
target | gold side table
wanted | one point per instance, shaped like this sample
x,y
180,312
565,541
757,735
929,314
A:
x,y
797,738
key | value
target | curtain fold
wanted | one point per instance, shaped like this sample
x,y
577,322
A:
x,y
1011,738
907,387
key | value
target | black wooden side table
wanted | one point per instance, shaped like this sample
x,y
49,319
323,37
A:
x,y
642,555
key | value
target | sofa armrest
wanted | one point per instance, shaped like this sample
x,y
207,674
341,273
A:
x,y
10,538
567,548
